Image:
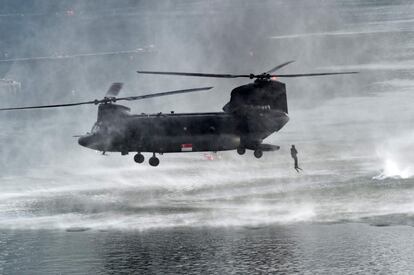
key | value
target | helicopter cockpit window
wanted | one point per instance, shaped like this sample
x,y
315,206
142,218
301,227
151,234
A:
x,y
99,128
96,128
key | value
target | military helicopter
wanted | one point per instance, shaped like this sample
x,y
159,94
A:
x,y
254,112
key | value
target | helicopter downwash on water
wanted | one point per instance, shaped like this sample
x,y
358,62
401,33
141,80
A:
x,y
255,111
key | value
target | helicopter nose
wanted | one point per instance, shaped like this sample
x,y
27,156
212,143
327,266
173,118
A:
x,y
85,140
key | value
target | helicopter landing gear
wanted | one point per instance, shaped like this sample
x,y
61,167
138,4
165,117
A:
x,y
258,153
139,158
154,161
241,150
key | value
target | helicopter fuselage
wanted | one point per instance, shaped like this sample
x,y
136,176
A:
x,y
184,132
255,111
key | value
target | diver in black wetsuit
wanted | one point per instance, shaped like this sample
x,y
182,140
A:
x,y
294,154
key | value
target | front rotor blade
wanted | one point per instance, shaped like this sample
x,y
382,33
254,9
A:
x,y
49,106
109,100
114,89
195,74
312,74
164,94
279,66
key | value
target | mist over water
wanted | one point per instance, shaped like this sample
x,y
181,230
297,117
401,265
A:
x,y
353,132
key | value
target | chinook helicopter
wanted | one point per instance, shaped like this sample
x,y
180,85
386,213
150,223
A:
x,y
254,112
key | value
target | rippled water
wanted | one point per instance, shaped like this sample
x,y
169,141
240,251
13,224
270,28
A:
x,y
299,248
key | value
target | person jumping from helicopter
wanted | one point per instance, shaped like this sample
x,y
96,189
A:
x,y
294,154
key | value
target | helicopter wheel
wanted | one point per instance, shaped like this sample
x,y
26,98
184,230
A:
x,y
241,150
154,161
258,153
139,158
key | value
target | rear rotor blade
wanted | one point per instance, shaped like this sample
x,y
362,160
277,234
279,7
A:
x,y
50,106
195,74
311,74
164,94
261,76
279,66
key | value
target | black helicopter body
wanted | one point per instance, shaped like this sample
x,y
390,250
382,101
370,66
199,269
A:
x,y
255,111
